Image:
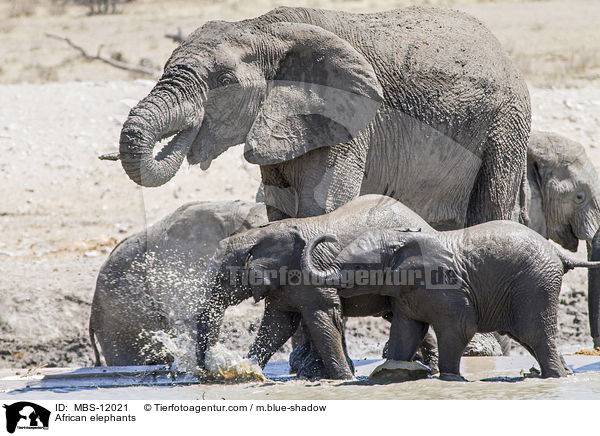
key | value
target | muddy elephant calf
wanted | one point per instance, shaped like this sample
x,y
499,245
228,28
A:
x,y
497,276
264,263
151,280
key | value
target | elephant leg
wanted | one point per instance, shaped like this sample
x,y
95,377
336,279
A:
x,y
428,352
594,291
551,362
311,366
317,182
454,331
330,177
541,344
497,185
305,359
302,347
325,326
405,337
504,342
538,335
451,346
275,329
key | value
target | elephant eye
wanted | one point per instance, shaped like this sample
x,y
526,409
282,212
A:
x,y
226,79
580,197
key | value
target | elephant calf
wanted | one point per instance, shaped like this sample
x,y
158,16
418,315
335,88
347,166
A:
x,y
496,276
264,263
151,279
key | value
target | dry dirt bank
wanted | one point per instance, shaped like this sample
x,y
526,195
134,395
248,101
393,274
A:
x,y
62,211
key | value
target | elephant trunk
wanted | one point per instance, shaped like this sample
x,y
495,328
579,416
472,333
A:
x,y
169,109
322,276
209,327
594,290
224,281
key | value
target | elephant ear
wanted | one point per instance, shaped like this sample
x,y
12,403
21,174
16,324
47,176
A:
x,y
266,258
423,252
323,92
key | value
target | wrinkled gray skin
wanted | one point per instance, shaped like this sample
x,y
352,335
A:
x,y
151,280
278,245
563,202
507,278
421,104
123,331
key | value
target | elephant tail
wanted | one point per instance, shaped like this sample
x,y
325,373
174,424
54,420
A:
x,y
570,262
93,341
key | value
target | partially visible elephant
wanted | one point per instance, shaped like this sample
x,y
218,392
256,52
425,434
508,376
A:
x,y
264,263
422,104
496,276
151,280
563,203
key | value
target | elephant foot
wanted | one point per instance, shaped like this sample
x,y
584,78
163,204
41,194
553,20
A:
x,y
306,362
312,368
596,342
298,356
448,376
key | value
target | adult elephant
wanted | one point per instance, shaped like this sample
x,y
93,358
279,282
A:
x,y
563,202
421,104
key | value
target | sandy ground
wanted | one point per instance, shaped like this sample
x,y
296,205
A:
x,y
62,210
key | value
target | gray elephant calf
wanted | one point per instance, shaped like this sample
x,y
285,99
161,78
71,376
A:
x,y
496,276
151,279
264,262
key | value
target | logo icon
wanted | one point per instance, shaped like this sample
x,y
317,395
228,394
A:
x,y
26,415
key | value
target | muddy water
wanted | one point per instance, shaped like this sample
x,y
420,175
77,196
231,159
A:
x,y
491,378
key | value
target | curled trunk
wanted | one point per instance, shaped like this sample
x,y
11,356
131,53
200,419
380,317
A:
x,y
323,276
166,111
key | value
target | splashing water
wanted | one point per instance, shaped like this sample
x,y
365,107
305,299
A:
x,y
180,346
222,364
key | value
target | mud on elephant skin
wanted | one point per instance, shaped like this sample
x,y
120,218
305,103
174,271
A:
x,y
264,263
563,202
151,280
322,99
497,276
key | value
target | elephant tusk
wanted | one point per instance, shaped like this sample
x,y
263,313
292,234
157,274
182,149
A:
x,y
110,156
